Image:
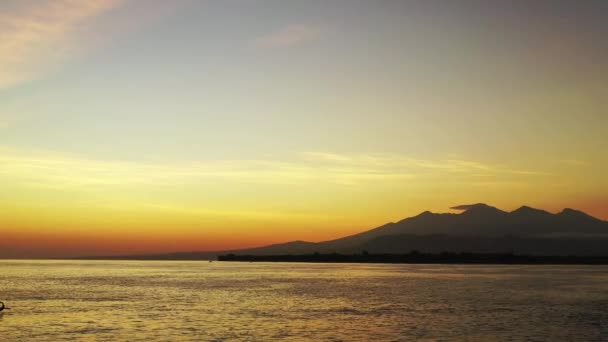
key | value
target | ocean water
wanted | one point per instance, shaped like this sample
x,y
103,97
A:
x,y
220,301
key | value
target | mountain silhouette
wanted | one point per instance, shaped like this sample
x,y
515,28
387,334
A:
x,y
477,228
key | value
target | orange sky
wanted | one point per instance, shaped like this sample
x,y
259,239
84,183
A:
x,y
197,125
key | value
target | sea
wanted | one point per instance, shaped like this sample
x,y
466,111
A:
x,y
233,301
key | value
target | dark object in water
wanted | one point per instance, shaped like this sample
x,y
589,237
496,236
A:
x,y
2,307
416,257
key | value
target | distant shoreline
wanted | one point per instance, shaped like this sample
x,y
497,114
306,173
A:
x,y
454,259
421,258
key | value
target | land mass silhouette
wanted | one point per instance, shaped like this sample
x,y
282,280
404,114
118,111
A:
x,y
478,228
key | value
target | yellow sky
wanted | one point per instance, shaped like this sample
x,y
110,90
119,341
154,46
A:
x,y
148,126
235,203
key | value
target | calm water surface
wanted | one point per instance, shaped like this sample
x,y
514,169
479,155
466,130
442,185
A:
x,y
201,301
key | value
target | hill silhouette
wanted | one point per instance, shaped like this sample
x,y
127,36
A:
x,y
478,228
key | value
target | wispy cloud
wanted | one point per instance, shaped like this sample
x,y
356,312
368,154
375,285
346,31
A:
x,y
418,166
36,35
56,170
289,36
64,171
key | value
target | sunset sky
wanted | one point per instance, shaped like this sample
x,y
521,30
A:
x,y
137,126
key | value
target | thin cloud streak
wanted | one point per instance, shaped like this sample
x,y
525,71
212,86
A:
x,y
62,171
52,170
391,161
36,36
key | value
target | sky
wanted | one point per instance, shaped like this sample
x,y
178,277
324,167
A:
x,y
143,126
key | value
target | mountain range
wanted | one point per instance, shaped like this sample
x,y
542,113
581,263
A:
x,y
478,228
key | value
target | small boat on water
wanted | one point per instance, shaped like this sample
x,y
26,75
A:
x,y
3,307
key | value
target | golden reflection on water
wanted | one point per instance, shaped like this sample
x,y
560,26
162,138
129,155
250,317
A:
x,y
161,301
